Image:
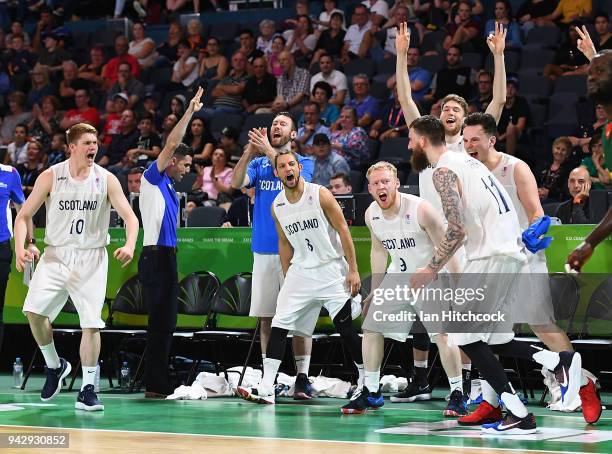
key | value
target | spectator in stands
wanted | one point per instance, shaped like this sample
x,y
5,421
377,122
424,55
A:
x,y
40,85
327,162
45,121
228,92
17,115
229,142
553,180
585,130
185,69
503,14
455,78
351,141
148,145
116,157
134,178
515,118
379,11
329,8
31,168
571,10
174,6
142,47
604,35
484,83
465,29
301,9
381,43
576,209
112,124
535,13
57,152
596,163
194,34
200,140
340,184
52,55
301,41
20,63
420,79
70,84
267,29
128,85
17,150
312,126
336,79
214,65
111,70
274,66
355,33
215,180
247,46
17,29
321,92
177,105
366,105
292,86
392,123
167,125
168,49
83,113
331,40
260,89
92,71
240,212
568,60
44,26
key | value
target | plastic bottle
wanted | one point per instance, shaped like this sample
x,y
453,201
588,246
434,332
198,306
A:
x,y
17,373
125,377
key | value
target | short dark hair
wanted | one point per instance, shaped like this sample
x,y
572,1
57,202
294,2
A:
x,y
287,114
329,91
601,14
135,170
146,115
312,103
336,14
345,178
283,153
454,46
246,31
488,123
21,125
182,150
430,127
325,54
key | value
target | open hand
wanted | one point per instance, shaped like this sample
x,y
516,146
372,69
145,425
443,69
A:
x,y
497,40
402,39
258,138
585,43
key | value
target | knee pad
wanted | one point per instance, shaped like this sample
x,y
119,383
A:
x,y
420,341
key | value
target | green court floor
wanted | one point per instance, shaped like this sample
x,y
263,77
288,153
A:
x,y
320,419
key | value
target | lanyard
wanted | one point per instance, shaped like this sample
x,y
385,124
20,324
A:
x,y
397,117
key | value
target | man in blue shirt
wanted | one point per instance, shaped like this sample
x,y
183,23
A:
x,y
157,268
256,169
10,190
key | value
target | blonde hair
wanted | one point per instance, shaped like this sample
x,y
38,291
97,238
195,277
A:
x,y
458,99
563,140
77,130
382,165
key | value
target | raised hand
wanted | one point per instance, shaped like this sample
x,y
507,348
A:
x,y
258,139
402,39
497,41
585,43
195,104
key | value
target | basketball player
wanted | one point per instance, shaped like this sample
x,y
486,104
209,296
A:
x,y
314,240
480,212
407,228
78,195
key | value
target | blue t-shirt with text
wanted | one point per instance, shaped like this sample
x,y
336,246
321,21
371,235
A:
x,y
10,189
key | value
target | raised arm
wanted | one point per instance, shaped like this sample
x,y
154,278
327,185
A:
x,y
585,43
431,221
404,92
240,179
117,199
497,44
176,135
285,251
527,189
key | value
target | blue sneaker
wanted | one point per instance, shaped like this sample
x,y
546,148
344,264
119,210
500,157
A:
x,y
512,425
457,404
568,373
303,388
53,383
361,400
87,400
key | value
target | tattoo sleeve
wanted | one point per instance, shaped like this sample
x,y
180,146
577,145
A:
x,y
446,183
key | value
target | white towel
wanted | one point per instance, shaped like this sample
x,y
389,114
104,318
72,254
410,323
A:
x,y
393,384
193,392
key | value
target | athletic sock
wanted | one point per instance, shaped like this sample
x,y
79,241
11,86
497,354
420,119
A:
x,y
270,370
456,383
372,380
50,354
361,373
420,372
89,376
302,364
489,394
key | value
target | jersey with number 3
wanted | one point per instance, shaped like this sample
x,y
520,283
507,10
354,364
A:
x,y
313,239
490,217
402,237
78,212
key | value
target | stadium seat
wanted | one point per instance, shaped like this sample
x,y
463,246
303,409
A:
x,y
511,59
361,65
534,84
186,184
225,31
206,216
356,177
386,66
395,150
222,120
432,63
379,90
254,121
473,60
536,59
433,42
539,37
571,84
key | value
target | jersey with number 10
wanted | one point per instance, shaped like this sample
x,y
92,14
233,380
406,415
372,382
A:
x,y
313,239
78,212
491,220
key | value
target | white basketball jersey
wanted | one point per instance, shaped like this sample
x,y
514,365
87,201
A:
x,y
504,172
403,237
491,219
78,212
427,189
315,242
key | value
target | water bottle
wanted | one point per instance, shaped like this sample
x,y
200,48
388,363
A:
x,y
125,377
17,373
97,379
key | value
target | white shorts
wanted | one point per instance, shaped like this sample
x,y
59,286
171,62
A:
x,y
80,273
266,283
306,291
534,303
485,273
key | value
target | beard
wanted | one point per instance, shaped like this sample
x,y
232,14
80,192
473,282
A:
x,y
293,183
454,131
418,160
601,93
280,142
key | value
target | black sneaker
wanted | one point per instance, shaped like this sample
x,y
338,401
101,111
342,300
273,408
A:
x,y
512,425
53,383
303,388
361,400
87,400
413,392
457,404
568,373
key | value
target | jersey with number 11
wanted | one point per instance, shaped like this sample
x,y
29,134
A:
x,y
78,211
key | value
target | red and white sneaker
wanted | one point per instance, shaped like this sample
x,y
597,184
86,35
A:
x,y
591,403
484,414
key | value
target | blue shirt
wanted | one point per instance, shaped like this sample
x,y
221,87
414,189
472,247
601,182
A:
x,y
159,206
267,186
10,189
424,76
